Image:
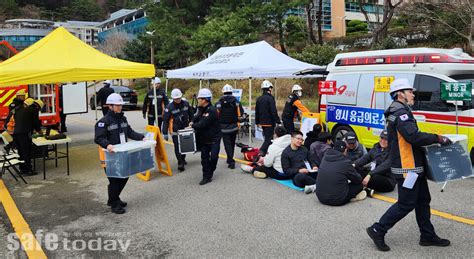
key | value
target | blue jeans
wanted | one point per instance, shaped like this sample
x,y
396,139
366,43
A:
x,y
417,199
209,158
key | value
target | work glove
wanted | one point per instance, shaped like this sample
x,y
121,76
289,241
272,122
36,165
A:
x,y
444,141
144,116
165,137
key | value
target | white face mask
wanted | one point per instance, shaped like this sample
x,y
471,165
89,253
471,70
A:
x,y
299,93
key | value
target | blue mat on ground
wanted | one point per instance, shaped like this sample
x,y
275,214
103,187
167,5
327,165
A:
x,y
289,183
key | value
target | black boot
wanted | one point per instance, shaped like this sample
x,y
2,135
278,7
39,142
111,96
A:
x,y
378,238
436,241
181,167
121,203
117,209
205,181
232,165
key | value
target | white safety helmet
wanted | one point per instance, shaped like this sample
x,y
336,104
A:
x,y
266,84
400,84
176,94
296,88
227,88
107,82
157,80
115,99
204,93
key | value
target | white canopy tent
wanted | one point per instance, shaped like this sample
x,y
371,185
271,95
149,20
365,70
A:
x,y
257,60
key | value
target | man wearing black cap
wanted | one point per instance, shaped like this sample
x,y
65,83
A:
x,y
379,178
355,150
338,182
103,94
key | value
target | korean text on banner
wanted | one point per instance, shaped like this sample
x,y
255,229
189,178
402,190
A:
x,y
372,118
327,87
382,83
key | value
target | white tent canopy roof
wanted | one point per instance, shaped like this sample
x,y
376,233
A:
x,y
255,60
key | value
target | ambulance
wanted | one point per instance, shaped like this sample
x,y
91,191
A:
x,y
362,82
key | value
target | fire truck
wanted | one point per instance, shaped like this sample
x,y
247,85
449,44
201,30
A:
x,y
48,93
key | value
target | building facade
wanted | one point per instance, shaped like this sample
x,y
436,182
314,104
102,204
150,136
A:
x,y
337,13
129,21
88,32
21,33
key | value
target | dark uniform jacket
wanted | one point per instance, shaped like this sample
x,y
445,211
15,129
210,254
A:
x,y
293,160
177,117
103,93
108,129
405,140
356,153
292,105
206,124
229,112
161,102
332,186
317,151
311,137
27,120
382,162
265,111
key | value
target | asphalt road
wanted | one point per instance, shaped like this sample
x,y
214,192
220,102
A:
x,y
234,216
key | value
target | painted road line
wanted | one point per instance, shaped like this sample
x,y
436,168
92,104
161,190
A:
x,y
433,211
22,229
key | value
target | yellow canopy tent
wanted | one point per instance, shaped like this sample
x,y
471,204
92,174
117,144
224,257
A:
x,y
61,57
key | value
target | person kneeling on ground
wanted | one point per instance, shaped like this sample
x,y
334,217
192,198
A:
x,y
355,150
271,166
332,185
312,136
297,163
379,178
319,148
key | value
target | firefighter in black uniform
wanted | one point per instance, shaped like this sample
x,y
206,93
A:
x,y
208,134
266,115
292,106
229,110
149,103
177,116
111,130
103,94
26,120
407,162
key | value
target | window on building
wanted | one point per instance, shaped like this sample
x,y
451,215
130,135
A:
x,y
326,15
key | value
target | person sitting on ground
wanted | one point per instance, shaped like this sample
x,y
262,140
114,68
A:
x,y
297,163
355,150
312,136
319,148
271,164
338,182
379,178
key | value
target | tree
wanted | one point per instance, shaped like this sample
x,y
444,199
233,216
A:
x,y
84,10
379,28
316,54
9,9
446,19
114,44
295,33
31,11
275,12
136,50
356,27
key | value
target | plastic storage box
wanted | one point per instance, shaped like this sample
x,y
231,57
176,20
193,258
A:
x,y
446,163
130,158
187,141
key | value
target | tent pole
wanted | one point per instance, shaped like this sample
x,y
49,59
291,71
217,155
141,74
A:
x,y
156,106
250,111
276,95
200,84
95,100
166,86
